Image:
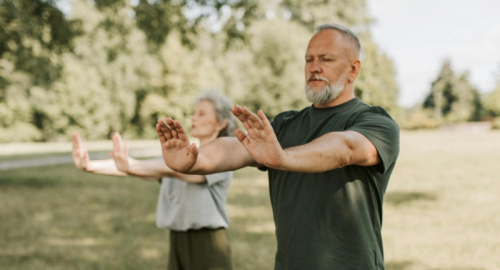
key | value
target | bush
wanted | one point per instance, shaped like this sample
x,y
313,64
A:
x,y
420,119
495,123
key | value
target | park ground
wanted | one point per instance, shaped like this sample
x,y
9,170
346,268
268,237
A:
x,y
441,212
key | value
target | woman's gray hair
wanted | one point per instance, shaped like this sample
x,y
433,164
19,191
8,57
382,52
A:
x,y
344,30
222,106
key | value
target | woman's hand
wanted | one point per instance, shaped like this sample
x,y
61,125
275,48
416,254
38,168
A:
x,y
80,154
120,154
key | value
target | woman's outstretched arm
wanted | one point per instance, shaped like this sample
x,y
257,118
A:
x,y
153,168
82,161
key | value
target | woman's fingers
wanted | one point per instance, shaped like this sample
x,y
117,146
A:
x,y
125,153
116,142
77,141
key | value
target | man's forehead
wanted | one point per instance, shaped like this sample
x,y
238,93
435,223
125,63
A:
x,y
328,41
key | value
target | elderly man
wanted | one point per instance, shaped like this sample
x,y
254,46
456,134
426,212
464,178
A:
x,y
329,164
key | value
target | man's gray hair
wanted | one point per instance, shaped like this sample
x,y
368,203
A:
x,y
342,29
222,106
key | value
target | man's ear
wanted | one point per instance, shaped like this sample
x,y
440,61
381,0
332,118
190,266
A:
x,y
354,72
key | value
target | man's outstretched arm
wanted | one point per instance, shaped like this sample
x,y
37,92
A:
x,y
330,151
223,154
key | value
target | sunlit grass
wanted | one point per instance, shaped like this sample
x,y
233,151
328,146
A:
x,y
441,211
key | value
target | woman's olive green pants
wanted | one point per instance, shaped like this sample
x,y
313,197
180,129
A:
x,y
203,249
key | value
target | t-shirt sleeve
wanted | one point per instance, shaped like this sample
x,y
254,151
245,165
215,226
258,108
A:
x,y
218,177
382,131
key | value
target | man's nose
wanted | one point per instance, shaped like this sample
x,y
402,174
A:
x,y
315,67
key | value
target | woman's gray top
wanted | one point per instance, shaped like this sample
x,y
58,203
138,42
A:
x,y
183,206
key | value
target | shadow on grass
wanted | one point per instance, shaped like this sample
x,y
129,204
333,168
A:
x,y
398,265
401,198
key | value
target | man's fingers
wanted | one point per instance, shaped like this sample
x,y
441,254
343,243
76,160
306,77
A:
x,y
256,122
239,113
112,154
126,150
236,112
246,125
193,149
265,121
161,136
181,133
240,135
253,133
165,129
173,130
242,117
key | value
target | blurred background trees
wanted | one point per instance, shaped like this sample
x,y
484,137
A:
x,y
119,65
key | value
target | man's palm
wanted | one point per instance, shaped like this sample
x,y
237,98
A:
x,y
178,153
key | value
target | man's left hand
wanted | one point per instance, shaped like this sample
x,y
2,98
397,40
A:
x,y
260,142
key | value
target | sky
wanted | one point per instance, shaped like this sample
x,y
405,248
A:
x,y
420,34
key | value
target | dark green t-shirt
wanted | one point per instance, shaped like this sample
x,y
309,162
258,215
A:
x,y
332,220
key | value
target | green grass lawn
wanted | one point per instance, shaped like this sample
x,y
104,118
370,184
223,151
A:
x,y
441,212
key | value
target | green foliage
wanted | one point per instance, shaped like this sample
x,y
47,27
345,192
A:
x,y
31,32
495,124
452,98
376,83
270,72
491,102
158,18
419,118
112,66
351,13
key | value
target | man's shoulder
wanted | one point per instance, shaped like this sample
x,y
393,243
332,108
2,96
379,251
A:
x,y
284,118
363,109
286,115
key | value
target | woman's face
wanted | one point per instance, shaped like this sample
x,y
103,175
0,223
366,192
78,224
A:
x,y
204,121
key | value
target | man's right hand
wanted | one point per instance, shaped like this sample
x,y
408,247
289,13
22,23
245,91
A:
x,y
80,155
178,153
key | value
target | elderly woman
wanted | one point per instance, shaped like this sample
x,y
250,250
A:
x,y
192,207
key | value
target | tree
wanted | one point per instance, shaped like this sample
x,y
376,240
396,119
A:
x,y
492,101
32,35
452,98
376,84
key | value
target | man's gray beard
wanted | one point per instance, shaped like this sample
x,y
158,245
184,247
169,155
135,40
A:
x,y
328,93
